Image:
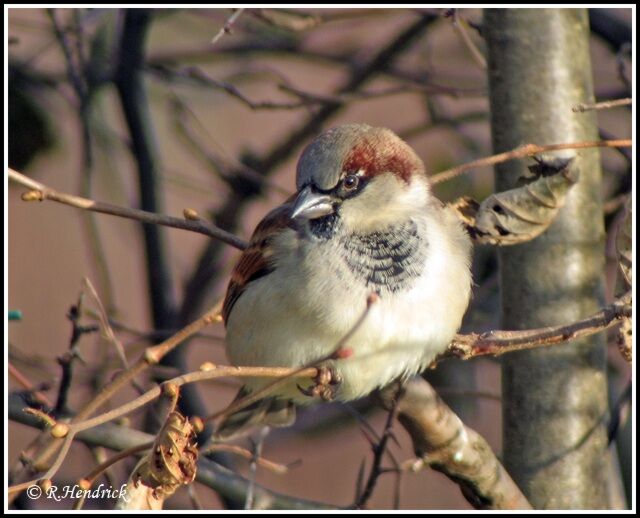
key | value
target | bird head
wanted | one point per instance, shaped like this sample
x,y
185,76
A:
x,y
367,177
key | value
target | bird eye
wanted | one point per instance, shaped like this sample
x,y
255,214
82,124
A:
x,y
350,182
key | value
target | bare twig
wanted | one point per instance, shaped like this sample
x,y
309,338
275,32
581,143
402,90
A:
x,y
499,342
226,28
160,63
24,381
107,332
74,70
66,360
229,169
41,192
521,152
253,466
211,474
151,356
459,26
378,452
78,425
208,373
78,75
307,99
583,107
275,467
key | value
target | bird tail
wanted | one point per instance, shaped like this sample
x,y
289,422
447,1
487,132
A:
x,y
269,411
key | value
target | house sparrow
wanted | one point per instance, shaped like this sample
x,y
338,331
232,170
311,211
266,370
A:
x,y
363,221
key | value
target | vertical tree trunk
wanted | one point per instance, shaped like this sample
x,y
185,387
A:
x,y
555,400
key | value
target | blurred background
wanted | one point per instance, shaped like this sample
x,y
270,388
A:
x,y
229,98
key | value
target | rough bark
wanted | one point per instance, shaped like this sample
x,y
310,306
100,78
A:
x,y
554,400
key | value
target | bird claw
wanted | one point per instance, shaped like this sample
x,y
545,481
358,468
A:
x,y
325,384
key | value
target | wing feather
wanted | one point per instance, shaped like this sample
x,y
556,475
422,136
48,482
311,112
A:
x,y
255,261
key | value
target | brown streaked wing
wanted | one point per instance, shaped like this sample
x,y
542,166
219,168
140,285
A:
x,y
254,261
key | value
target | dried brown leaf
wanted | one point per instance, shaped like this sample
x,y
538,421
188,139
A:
x,y
520,214
170,463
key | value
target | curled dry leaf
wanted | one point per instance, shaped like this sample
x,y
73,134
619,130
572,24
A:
x,y
170,463
520,214
623,245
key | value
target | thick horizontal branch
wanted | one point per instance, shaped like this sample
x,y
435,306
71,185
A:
x,y
495,343
40,192
521,152
442,440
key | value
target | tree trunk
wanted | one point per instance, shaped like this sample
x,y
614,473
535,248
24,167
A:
x,y
554,399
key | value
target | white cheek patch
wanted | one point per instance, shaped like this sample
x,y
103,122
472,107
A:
x,y
385,200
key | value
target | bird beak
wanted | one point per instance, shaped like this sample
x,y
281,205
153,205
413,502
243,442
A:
x,y
311,205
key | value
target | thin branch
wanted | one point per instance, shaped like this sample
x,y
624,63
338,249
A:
x,y
421,81
214,476
521,152
495,343
253,467
459,26
378,453
107,332
151,356
66,360
226,28
24,381
275,467
193,377
41,192
230,170
583,107
307,99
77,74
74,70
78,425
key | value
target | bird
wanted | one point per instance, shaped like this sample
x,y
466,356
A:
x,y
362,270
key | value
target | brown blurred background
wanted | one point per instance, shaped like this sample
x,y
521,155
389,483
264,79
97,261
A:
x,y
436,99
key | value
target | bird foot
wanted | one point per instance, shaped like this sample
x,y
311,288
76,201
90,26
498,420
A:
x,y
325,384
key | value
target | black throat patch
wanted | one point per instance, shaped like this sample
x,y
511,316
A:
x,y
386,261
325,227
